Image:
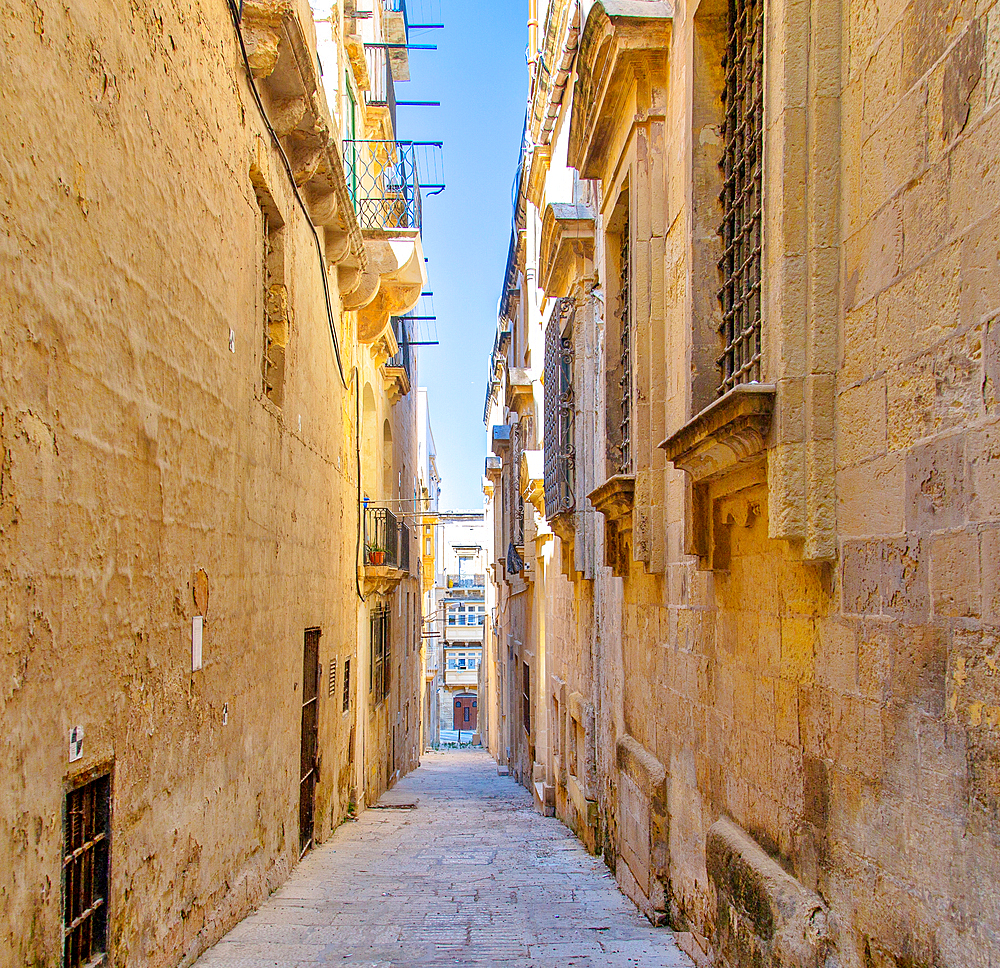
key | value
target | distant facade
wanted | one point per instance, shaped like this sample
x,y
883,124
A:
x,y
460,618
742,485
430,495
212,605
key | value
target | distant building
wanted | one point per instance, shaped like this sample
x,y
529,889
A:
x,y
430,493
460,617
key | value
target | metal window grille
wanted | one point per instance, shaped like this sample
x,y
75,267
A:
x,y
517,501
742,164
347,684
404,547
560,455
625,322
86,873
267,363
381,653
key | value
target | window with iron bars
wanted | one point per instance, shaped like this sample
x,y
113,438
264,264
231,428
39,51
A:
x,y
517,501
560,456
347,684
86,873
742,202
381,653
625,345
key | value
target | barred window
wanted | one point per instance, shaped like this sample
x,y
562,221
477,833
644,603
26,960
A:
x,y
625,348
333,677
517,501
742,163
86,873
347,684
381,653
560,476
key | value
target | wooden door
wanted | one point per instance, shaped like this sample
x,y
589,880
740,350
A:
x,y
465,713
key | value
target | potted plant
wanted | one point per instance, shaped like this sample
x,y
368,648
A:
x,y
376,555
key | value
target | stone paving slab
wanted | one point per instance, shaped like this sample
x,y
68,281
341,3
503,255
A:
x,y
471,876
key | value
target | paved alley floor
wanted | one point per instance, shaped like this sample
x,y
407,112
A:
x,y
472,876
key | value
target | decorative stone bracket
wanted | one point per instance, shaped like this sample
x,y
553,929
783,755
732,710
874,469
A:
x,y
731,432
615,499
281,53
532,479
380,579
765,916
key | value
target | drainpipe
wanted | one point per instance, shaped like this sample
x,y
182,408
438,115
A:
x,y
532,39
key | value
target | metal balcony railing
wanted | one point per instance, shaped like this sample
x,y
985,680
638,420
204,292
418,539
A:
x,y
381,537
466,581
383,89
404,548
404,337
382,179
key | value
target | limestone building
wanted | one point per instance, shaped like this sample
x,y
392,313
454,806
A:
x,y
742,420
459,618
210,240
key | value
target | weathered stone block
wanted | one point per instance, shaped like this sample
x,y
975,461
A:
x,y
955,587
936,489
765,916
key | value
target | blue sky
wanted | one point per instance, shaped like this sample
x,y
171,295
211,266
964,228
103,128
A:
x,y
478,74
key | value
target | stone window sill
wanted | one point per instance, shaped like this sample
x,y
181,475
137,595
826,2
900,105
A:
x,y
729,432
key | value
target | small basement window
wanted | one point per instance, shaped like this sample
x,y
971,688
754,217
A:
x,y
86,873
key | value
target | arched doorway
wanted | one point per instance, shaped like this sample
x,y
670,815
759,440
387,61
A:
x,y
465,711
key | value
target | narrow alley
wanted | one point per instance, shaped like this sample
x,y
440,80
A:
x,y
471,876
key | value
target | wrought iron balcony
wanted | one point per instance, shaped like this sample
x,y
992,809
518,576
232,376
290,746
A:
x,y
383,183
383,88
381,538
466,581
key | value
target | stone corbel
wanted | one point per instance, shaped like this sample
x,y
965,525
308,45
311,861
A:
x,y
615,499
261,29
541,157
566,251
532,479
401,277
564,525
728,434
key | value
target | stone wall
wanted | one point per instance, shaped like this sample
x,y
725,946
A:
x,y
794,673
137,447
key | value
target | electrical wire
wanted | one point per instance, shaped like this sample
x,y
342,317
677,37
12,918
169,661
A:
x,y
235,10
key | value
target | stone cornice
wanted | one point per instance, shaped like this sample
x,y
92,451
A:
x,y
729,432
566,249
621,40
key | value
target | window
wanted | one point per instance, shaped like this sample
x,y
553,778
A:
x,y
347,684
276,315
86,873
333,678
381,653
526,697
625,346
560,474
742,163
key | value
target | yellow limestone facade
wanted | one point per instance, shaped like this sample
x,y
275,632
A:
x,y
200,385
746,630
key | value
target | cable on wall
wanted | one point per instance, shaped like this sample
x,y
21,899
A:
x,y
235,9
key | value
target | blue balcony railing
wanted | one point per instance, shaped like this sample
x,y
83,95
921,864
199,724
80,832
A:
x,y
382,179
